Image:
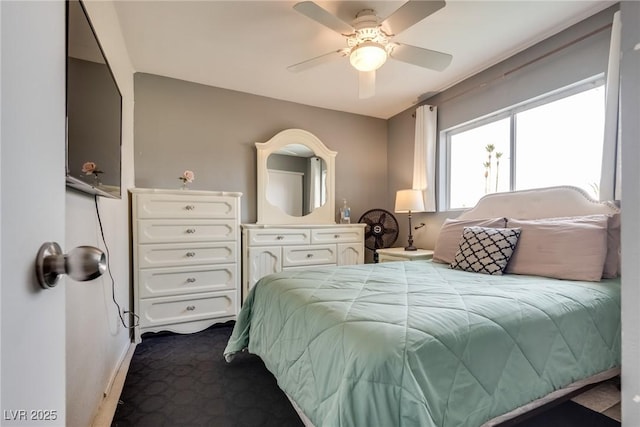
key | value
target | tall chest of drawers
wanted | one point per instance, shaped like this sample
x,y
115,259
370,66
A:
x,y
186,259
272,248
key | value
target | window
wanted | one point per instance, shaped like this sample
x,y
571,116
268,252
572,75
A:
x,y
554,140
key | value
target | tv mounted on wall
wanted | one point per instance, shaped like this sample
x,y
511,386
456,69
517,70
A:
x,y
94,111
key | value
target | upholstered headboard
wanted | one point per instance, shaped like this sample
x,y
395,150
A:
x,y
539,203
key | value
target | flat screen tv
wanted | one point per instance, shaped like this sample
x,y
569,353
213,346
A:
x,y
94,111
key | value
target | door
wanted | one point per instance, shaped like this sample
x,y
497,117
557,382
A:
x,y
262,261
32,198
630,131
350,253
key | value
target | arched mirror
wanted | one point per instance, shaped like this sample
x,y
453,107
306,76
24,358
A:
x,y
295,179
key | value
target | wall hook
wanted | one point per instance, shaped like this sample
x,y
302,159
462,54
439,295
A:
x,y
82,263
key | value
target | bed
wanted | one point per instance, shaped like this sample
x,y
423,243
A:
x,y
419,343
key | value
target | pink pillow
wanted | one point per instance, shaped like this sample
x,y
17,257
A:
x,y
612,262
562,248
451,234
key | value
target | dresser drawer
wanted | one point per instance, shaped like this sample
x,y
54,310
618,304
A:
x,y
278,236
337,235
182,254
172,310
308,255
156,282
187,206
185,230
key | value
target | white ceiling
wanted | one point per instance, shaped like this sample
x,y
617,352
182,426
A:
x,y
247,45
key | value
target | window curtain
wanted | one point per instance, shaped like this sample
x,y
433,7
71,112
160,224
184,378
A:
x,y
610,178
315,183
424,156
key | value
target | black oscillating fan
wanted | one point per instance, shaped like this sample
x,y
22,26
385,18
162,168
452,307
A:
x,y
381,230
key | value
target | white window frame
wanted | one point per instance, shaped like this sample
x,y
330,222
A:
x,y
444,139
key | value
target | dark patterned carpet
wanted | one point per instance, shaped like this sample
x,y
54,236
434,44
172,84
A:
x,y
183,381
569,414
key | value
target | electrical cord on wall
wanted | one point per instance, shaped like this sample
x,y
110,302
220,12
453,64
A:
x,y
113,281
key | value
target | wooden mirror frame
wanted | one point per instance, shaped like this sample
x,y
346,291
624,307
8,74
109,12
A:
x,y
270,214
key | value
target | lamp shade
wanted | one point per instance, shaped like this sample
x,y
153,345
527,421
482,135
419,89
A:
x,y
368,56
409,201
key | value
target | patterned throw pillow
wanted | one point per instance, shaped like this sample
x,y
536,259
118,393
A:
x,y
485,250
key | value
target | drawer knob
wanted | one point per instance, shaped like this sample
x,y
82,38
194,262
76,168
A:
x,y
191,307
191,230
191,280
280,237
191,254
190,207
309,255
335,236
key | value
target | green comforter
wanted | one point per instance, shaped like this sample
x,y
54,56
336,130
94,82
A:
x,y
419,344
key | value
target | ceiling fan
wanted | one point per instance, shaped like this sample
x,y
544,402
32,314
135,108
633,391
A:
x,y
369,40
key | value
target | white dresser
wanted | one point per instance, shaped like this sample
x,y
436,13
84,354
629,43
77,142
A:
x,y
186,269
268,249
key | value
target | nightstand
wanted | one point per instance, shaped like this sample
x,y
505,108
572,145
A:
x,y
399,254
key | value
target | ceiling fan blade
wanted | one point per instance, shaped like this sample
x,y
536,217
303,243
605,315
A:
x,y
366,84
421,57
411,13
322,16
309,63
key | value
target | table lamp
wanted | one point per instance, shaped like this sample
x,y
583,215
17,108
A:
x,y
409,201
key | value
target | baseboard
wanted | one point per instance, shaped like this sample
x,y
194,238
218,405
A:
x,y
114,388
114,374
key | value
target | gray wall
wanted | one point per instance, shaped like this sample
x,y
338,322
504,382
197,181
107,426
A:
x,y
558,62
494,89
212,131
96,342
182,125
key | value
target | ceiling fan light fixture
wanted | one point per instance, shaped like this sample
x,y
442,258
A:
x,y
368,56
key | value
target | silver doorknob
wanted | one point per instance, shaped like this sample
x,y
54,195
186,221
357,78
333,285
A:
x,y
82,263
